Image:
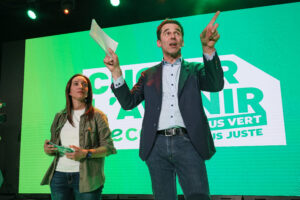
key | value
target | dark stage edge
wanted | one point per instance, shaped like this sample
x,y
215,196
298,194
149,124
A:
x,y
146,197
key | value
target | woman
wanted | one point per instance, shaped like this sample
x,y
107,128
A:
x,y
83,128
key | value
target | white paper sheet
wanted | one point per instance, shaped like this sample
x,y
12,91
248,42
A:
x,y
102,38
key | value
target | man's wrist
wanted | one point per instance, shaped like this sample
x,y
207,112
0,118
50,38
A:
x,y
118,82
209,57
208,50
116,73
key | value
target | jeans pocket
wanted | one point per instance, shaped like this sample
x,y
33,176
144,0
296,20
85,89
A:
x,y
59,179
186,137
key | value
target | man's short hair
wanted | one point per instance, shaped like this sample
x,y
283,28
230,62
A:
x,y
167,21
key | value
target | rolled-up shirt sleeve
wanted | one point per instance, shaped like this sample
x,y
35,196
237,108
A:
x,y
105,135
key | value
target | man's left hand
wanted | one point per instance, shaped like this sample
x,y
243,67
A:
x,y
210,36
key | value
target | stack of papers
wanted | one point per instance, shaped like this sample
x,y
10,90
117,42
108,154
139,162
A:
x,y
102,38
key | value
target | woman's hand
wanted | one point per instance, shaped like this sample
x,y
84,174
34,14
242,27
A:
x,y
49,148
78,153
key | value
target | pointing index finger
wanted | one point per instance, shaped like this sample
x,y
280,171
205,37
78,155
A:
x,y
212,21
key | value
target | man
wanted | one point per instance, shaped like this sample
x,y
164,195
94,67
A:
x,y
175,137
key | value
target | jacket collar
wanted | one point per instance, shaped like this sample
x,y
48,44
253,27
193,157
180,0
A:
x,y
184,73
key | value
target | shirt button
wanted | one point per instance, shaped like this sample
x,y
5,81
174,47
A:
x,y
171,116
171,104
154,124
172,84
173,95
171,74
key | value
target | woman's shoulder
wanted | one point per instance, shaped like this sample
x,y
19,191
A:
x,y
62,112
99,113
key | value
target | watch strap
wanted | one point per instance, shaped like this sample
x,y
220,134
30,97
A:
x,y
88,155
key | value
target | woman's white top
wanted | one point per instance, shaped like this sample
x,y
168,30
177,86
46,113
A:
x,y
70,136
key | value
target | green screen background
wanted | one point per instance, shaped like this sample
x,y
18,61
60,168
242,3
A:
x,y
266,37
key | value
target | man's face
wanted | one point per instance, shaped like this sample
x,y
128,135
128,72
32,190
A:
x,y
171,40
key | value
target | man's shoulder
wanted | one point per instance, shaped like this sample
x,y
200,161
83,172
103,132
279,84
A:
x,y
151,70
192,65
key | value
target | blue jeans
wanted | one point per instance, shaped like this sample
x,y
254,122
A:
x,y
65,186
175,155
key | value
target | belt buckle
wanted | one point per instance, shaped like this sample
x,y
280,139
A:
x,y
172,132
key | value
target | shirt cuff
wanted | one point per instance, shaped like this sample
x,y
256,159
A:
x,y
119,82
209,57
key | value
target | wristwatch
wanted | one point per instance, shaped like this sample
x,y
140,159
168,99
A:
x,y
88,155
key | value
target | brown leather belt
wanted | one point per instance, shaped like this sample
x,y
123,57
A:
x,y
172,131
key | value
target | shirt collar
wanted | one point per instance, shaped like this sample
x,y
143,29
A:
x,y
177,62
